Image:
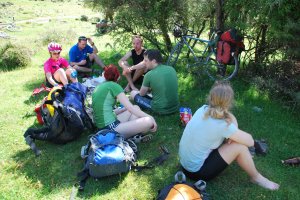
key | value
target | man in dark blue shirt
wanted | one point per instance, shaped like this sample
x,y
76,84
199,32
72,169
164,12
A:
x,y
82,56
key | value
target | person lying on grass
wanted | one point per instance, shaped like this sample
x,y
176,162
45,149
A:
x,y
53,67
129,120
203,149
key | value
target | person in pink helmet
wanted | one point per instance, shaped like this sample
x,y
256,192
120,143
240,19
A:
x,y
57,69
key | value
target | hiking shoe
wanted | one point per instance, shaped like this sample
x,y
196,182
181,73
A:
x,y
292,161
261,147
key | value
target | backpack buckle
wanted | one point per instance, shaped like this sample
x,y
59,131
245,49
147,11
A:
x,y
180,177
200,185
84,153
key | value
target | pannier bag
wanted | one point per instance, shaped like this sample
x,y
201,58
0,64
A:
x,y
68,119
180,190
107,153
223,52
235,39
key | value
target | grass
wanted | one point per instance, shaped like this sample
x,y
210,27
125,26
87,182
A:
x,y
52,175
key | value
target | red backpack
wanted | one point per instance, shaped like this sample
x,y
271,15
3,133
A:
x,y
231,41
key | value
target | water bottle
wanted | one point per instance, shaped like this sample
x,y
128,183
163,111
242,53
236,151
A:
x,y
74,74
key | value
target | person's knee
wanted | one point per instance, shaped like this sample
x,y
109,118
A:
x,y
61,71
239,147
137,107
133,93
149,122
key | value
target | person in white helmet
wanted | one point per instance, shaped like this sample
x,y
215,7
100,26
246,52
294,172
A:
x,y
57,69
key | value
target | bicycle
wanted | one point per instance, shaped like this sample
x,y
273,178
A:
x,y
10,27
204,55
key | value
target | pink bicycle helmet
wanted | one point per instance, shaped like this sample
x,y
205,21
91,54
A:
x,y
54,47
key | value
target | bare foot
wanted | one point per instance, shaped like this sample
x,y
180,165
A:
x,y
265,183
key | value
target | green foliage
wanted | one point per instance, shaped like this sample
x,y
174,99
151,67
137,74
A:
x,y
13,56
150,19
84,18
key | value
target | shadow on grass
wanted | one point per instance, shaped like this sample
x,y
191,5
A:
x,y
57,167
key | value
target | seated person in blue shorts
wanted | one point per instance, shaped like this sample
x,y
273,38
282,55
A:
x,y
162,82
82,56
204,151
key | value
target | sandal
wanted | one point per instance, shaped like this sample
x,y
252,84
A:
x,y
141,138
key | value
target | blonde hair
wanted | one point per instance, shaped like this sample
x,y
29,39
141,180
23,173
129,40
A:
x,y
137,37
220,101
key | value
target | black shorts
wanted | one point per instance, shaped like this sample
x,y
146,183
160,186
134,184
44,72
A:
x,y
212,166
48,84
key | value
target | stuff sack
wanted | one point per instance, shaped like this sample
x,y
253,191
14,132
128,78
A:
x,y
223,52
106,154
180,190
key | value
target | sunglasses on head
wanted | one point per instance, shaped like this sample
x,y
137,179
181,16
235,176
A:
x,y
82,38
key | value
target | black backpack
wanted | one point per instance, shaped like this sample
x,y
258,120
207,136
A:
x,y
69,120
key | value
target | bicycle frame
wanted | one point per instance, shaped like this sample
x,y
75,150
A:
x,y
204,56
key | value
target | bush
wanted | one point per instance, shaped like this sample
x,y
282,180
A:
x,y
84,18
13,56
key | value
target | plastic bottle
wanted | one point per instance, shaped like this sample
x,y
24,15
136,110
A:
x,y
74,74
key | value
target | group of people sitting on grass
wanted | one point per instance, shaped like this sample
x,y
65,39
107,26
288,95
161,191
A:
x,y
211,140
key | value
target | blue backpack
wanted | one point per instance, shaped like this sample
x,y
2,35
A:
x,y
70,119
106,154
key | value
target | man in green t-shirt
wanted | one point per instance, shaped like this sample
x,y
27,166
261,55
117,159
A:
x,y
162,82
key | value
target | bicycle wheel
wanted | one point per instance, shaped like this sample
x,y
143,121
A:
x,y
13,28
218,71
172,60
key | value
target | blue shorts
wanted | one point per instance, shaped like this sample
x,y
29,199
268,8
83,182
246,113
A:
x,y
111,126
143,102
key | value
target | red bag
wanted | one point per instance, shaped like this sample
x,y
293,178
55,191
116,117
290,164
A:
x,y
223,52
235,40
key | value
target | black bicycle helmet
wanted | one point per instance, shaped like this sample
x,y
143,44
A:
x,y
177,32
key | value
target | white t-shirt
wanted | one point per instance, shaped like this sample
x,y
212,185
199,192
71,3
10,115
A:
x,y
200,137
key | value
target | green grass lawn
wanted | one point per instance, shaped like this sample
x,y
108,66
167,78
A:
x,y
53,174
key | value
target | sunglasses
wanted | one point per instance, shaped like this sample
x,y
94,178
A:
x,y
82,38
55,53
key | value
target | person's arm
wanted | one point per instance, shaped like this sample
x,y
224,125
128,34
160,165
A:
x,y
143,90
82,62
50,79
123,63
95,50
140,65
137,112
243,138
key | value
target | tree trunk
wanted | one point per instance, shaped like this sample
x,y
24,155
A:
x,y
220,14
